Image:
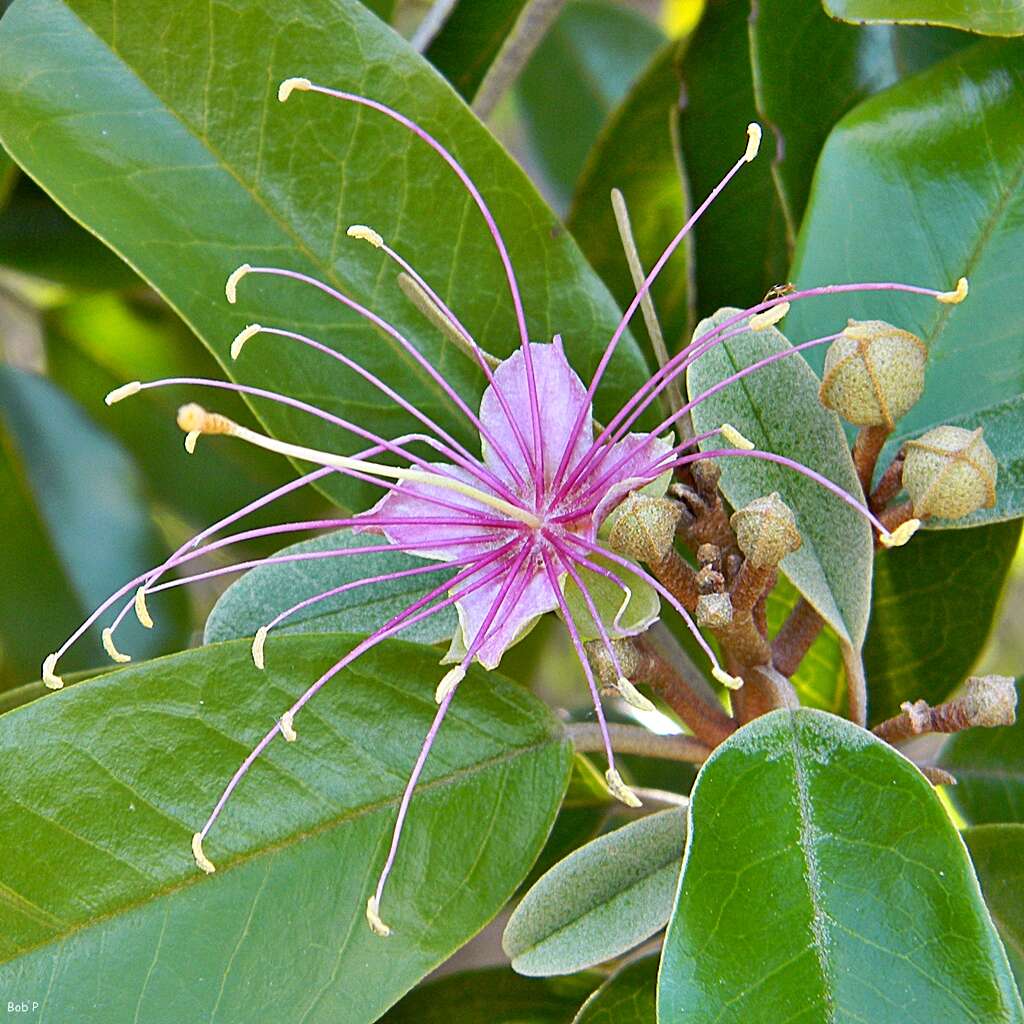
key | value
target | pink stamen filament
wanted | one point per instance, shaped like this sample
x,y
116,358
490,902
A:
x,y
499,243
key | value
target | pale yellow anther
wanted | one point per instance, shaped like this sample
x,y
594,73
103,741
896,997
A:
x,y
257,647
289,85
112,652
124,391
366,234
141,611
728,681
753,141
620,790
231,286
377,926
51,680
202,861
242,337
898,537
191,439
451,679
769,317
631,695
955,297
732,436
288,727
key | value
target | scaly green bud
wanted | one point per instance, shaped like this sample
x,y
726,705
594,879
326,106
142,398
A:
x,y
950,473
766,531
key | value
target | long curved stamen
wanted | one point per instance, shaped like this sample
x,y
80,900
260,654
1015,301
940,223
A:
x,y
375,239
616,786
753,142
305,85
387,328
195,420
415,612
463,457
445,694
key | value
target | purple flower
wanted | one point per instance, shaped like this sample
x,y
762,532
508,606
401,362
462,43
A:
x,y
508,527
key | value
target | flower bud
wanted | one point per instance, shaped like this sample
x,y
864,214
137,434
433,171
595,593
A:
x,y
950,473
644,528
766,531
714,611
874,373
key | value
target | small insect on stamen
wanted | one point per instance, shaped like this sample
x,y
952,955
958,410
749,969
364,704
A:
x,y
242,337
112,652
231,286
728,681
631,695
365,234
451,679
898,537
289,85
141,611
124,391
768,318
373,916
288,728
753,141
732,436
620,790
202,861
257,647
956,296
51,680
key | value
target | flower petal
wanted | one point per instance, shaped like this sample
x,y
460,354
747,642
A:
x,y
642,450
561,397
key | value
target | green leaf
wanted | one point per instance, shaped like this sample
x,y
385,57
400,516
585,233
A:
x,y
494,995
470,40
601,900
279,931
964,161
934,602
636,153
588,59
825,858
76,526
988,765
267,590
833,567
998,855
622,615
97,342
627,997
199,173
988,17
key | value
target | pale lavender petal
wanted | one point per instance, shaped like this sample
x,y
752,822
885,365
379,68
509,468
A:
x,y
562,398
629,461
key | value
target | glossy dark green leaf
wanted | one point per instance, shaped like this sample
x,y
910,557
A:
x,y
600,901
998,855
588,59
8,176
989,17
264,592
826,858
97,342
636,153
833,567
627,997
199,173
935,165
934,603
470,40
75,526
494,995
988,765
106,914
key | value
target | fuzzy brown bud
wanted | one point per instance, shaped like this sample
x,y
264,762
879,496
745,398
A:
x,y
874,373
714,611
950,473
766,531
644,528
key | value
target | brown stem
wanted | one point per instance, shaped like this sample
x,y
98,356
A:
x,y
678,576
634,739
752,583
890,483
866,449
763,690
795,637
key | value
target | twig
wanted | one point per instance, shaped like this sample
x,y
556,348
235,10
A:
x,y
866,449
432,23
890,483
632,739
796,636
